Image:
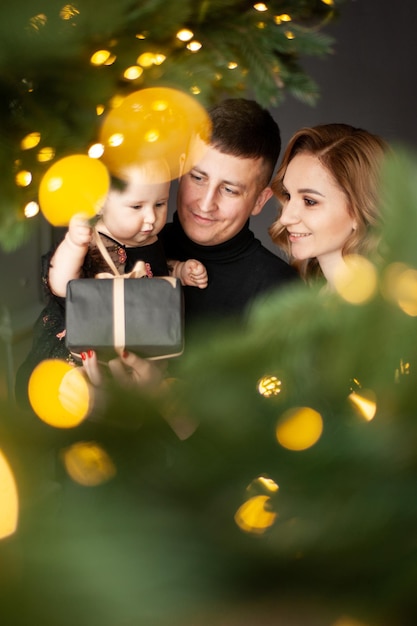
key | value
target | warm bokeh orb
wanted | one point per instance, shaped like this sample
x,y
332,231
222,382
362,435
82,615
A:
x,y
74,184
299,428
152,124
254,515
59,393
9,500
88,463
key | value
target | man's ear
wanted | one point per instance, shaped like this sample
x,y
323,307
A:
x,y
261,200
181,165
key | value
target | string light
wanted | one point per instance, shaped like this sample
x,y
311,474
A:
x,y
269,386
133,72
30,141
31,209
96,151
284,17
23,178
68,12
45,154
100,57
194,46
184,34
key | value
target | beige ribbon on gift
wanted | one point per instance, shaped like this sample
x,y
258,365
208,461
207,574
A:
x,y
138,271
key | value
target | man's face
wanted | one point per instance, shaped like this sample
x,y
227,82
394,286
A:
x,y
218,195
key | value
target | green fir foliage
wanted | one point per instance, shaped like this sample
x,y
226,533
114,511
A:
x,y
48,85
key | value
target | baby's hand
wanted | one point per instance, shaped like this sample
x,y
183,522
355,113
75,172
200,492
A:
x,y
79,230
194,274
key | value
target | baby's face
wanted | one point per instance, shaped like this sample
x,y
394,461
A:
x,y
137,214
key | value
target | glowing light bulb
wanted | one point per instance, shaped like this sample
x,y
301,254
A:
x,y
194,46
185,34
31,209
45,154
253,516
269,386
133,72
284,17
23,178
30,141
96,151
100,57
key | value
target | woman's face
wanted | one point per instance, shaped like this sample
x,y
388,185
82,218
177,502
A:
x,y
315,212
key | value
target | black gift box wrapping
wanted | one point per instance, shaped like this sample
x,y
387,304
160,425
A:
x,y
154,316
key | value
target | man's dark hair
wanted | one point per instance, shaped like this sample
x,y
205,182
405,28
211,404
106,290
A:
x,y
244,129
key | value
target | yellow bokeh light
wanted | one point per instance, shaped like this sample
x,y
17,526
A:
x,y
100,57
185,34
151,135
74,184
153,123
116,140
232,65
260,6
30,141
31,209
23,178
159,59
133,72
401,286
289,34
68,12
269,386
265,483
96,151
364,402
59,393
9,499
45,154
299,428
147,59
38,21
253,516
194,46
356,279
284,17
88,464
329,3
195,90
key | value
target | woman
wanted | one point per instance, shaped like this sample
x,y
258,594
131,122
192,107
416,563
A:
x,y
327,185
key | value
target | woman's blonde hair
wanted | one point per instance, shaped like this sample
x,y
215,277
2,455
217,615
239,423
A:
x,y
353,158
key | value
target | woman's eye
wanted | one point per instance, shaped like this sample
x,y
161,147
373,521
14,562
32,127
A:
x,y
196,177
310,202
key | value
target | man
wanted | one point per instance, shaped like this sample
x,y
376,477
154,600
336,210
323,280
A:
x,y
216,198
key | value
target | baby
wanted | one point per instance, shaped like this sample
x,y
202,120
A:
x,y
133,214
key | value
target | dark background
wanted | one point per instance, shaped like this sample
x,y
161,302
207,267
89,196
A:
x,y
369,81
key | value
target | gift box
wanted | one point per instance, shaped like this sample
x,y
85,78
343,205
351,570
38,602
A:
x,y
141,315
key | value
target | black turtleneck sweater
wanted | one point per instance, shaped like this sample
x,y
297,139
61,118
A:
x,y
238,271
